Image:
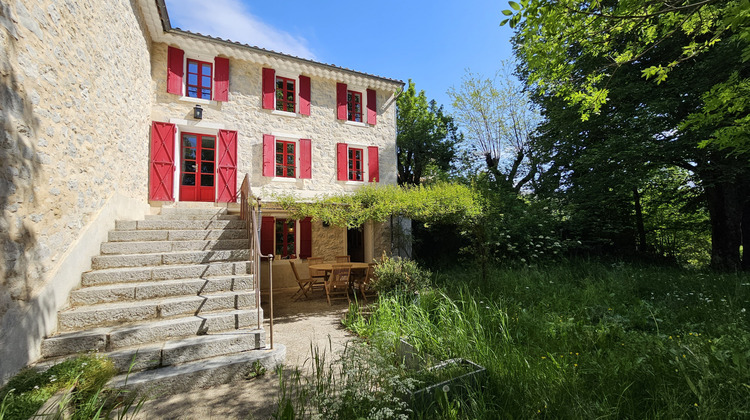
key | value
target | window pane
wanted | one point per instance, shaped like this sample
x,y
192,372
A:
x,y
279,170
192,79
207,167
290,171
206,81
290,159
207,180
290,85
192,67
206,70
188,153
280,158
189,141
188,179
206,94
188,166
208,142
290,148
192,92
207,155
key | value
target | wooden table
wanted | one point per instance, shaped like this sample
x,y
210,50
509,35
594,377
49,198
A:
x,y
328,267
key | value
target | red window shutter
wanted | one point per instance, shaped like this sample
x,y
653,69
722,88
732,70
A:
x,y
221,79
341,100
305,159
175,60
372,107
305,238
226,171
269,155
373,166
342,160
304,95
269,88
162,162
267,232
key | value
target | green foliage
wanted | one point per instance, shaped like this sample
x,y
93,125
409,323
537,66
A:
x,y
583,340
29,390
426,138
441,202
400,276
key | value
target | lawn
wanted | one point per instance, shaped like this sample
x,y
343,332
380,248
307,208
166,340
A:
x,y
574,340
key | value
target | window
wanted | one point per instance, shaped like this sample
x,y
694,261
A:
x,y
284,94
286,234
353,164
199,76
354,106
285,159
355,172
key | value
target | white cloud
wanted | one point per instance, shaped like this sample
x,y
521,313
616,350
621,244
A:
x,y
230,19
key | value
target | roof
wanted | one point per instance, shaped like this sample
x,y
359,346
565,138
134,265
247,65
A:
x,y
161,7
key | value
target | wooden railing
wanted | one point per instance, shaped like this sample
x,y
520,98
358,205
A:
x,y
249,212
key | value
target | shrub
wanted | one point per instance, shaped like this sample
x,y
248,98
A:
x,y
399,275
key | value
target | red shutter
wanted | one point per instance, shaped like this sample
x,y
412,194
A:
x,y
221,79
373,166
305,238
162,162
342,160
341,100
372,107
305,159
304,95
226,173
175,59
269,155
269,88
267,232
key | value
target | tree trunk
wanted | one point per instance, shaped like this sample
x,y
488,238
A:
x,y
725,205
640,228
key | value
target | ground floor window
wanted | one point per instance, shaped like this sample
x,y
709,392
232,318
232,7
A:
x,y
286,234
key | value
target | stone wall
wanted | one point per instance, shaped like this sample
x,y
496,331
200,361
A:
x,y
243,112
74,100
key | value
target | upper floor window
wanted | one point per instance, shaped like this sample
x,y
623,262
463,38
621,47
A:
x,y
354,106
199,75
196,78
285,94
355,165
286,161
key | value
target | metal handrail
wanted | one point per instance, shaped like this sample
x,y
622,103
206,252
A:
x,y
249,213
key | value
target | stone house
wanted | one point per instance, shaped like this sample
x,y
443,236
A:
x,y
109,113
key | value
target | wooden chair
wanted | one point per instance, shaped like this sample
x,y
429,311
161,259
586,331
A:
x,y
304,284
318,275
343,259
365,284
338,283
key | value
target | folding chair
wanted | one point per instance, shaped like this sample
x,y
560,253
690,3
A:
x,y
318,275
304,284
365,284
338,283
343,259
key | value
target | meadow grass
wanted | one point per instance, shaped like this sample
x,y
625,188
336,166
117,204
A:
x,y
581,340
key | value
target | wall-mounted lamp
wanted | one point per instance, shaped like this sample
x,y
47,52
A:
x,y
198,112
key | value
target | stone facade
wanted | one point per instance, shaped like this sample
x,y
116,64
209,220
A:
x,y
74,100
80,83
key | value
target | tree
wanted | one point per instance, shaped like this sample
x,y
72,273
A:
x,y
426,138
642,126
498,119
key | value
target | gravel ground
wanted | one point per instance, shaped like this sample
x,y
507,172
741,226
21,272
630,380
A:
x,y
297,325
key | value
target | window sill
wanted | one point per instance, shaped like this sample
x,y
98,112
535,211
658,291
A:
x,y
195,100
355,123
353,182
284,113
283,179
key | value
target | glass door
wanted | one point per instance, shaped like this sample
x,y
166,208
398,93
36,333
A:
x,y
197,180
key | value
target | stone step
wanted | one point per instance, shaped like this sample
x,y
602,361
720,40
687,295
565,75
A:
x,y
158,289
107,339
108,314
188,217
172,352
178,224
175,235
149,247
168,258
199,374
167,272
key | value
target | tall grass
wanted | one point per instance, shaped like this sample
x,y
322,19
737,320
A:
x,y
583,340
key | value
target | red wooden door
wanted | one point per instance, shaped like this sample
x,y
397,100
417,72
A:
x,y
162,162
197,169
226,175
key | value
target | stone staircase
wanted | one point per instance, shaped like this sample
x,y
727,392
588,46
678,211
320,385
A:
x,y
170,299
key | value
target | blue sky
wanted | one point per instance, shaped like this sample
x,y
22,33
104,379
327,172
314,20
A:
x,y
433,43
